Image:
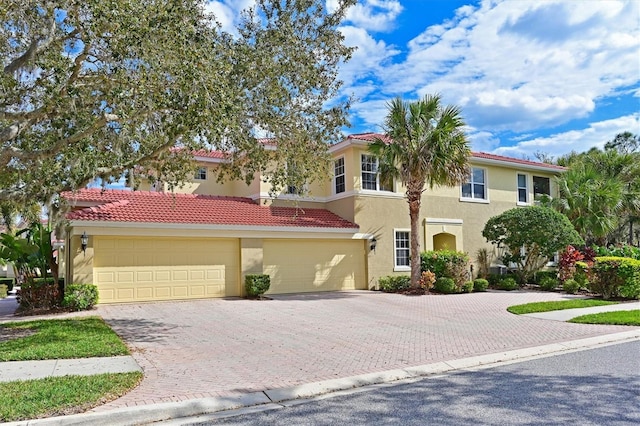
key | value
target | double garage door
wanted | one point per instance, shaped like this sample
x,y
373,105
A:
x,y
128,269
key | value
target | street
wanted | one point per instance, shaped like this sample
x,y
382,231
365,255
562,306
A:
x,y
592,387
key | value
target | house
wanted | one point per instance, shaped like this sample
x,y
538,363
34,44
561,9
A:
x,y
201,240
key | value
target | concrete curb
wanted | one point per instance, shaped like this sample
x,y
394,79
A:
x,y
273,398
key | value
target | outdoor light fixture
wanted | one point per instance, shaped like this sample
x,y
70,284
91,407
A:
x,y
373,243
84,240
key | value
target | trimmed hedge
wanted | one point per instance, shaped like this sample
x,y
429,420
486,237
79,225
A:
x,y
571,286
480,284
445,285
467,287
80,297
257,284
394,283
447,263
539,276
615,277
549,284
508,284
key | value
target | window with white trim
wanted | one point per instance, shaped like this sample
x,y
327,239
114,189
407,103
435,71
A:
x,y
401,251
523,190
476,187
541,186
338,175
201,173
370,176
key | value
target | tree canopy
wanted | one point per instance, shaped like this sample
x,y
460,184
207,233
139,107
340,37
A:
x,y
425,145
96,89
530,236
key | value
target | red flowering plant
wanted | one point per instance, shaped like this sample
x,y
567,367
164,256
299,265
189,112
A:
x,y
567,263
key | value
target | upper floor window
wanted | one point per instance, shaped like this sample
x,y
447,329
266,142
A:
x,y
370,176
541,186
201,173
523,190
401,251
476,187
338,175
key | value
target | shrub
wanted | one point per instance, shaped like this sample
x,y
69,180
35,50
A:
x,y
8,282
508,284
3,291
467,287
80,297
567,263
445,285
480,284
427,279
548,284
541,275
483,259
630,252
447,263
494,279
616,276
39,294
394,283
571,286
257,284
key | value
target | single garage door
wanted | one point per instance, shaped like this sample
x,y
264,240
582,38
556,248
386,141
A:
x,y
142,269
314,265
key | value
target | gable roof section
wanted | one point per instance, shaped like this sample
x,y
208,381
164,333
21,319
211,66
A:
x,y
158,207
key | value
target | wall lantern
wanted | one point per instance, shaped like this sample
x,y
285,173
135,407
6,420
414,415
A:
x,y
373,243
84,241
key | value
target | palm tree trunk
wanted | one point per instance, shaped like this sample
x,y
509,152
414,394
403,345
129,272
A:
x,y
414,216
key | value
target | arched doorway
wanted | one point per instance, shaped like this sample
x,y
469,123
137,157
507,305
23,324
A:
x,y
444,241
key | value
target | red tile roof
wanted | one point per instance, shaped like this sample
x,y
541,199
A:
x,y
208,154
158,207
370,137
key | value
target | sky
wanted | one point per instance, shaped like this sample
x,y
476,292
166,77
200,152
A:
x,y
550,76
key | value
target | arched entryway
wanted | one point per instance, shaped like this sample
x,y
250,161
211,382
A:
x,y
444,241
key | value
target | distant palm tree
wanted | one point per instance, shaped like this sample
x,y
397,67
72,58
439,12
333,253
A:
x,y
425,144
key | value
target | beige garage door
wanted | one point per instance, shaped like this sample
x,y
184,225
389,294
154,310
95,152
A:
x,y
140,269
314,265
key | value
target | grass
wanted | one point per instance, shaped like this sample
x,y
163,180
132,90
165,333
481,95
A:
x,y
61,339
61,395
613,318
530,308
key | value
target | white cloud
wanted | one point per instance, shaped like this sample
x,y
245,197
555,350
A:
x,y
374,15
595,135
227,12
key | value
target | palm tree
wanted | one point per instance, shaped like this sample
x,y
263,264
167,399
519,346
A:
x,y
424,145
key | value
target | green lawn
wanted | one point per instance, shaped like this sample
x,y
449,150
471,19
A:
x,y
614,318
530,308
53,396
61,339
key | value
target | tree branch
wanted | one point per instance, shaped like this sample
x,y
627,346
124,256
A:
x,y
35,47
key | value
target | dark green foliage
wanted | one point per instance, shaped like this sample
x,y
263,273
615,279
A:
x,y
548,284
467,287
394,283
571,286
445,285
8,282
80,297
618,251
257,284
447,263
615,277
541,275
540,231
508,284
480,284
494,279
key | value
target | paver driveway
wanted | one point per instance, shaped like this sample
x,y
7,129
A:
x,y
209,348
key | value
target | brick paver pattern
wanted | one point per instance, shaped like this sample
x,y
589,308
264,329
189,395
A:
x,y
218,347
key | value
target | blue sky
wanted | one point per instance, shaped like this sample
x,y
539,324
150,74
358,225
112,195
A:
x,y
530,76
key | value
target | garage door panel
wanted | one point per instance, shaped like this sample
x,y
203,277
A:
x,y
172,269
314,265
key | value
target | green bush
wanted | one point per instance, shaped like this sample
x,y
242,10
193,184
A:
x,y
494,279
80,297
616,276
539,276
627,251
394,283
571,286
508,284
480,284
8,282
257,284
548,284
445,285
467,287
447,263
3,291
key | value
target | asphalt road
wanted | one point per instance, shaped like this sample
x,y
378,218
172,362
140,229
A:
x,y
593,387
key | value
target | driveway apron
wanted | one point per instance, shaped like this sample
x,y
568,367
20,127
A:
x,y
226,347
